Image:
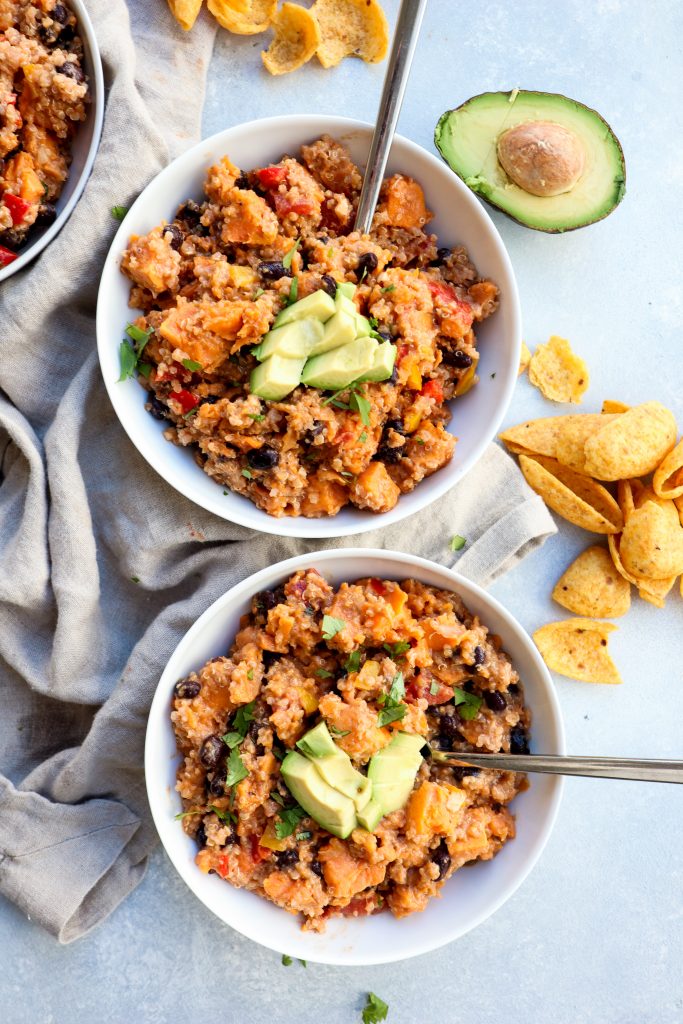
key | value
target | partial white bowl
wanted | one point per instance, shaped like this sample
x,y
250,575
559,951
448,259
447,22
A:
x,y
83,149
460,219
471,895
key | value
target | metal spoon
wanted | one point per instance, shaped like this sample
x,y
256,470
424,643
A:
x,y
396,78
637,769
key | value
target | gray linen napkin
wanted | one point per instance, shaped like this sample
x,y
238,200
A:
x,y
103,567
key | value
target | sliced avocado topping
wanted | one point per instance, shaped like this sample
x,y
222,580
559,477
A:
x,y
340,367
330,808
392,771
318,304
345,304
370,815
383,366
295,340
339,330
334,765
346,288
548,161
276,377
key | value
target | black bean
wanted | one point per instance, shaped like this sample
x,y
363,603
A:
x,y
519,740
200,836
460,773
242,181
384,333
367,262
513,688
441,742
156,408
47,214
313,431
479,655
190,212
268,599
71,70
60,14
394,375
442,858
263,458
317,868
273,270
495,700
287,858
269,658
216,785
176,239
211,750
396,425
211,399
67,34
186,689
390,456
442,253
448,728
456,357
329,285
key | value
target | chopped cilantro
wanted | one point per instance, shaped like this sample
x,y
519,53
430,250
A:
x,y
492,376
374,322
288,821
339,732
397,691
457,543
127,360
145,369
362,438
135,579
324,673
303,835
304,963
361,404
250,674
375,1010
139,336
277,798
225,493
129,355
286,960
258,293
363,275
236,769
119,212
243,716
289,256
232,739
186,814
257,417
345,472
293,292
398,648
278,751
227,817
389,288
352,663
332,626
248,474
468,704
393,709
434,689
191,364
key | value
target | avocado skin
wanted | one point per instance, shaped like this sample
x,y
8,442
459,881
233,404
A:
x,y
485,189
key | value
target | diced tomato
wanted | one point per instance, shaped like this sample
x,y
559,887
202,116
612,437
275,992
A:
x,y
446,296
418,689
361,905
433,389
17,207
11,100
258,852
222,865
271,177
284,204
378,586
401,352
6,256
186,399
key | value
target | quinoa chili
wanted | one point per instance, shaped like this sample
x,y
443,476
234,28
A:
x,y
43,96
210,285
239,714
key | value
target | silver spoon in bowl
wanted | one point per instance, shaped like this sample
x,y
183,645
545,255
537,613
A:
x,y
395,80
636,769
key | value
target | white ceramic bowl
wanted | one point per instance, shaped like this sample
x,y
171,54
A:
x,y
471,895
83,149
460,219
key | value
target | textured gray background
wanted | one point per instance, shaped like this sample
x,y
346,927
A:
x,y
594,935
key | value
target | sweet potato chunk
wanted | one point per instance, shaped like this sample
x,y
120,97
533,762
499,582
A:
x,y
247,219
151,262
374,489
404,202
345,876
220,181
433,809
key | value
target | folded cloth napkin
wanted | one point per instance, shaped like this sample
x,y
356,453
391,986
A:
x,y
103,566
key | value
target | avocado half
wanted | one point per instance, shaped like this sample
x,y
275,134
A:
x,y
468,138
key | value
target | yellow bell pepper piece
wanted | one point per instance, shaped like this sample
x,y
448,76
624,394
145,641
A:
x,y
270,840
309,701
411,422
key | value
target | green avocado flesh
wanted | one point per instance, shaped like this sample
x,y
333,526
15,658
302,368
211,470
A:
x,y
467,138
295,340
383,366
276,377
324,782
318,304
334,370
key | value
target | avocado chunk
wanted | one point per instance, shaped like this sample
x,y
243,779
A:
x,y
334,370
345,303
547,161
276,377
330,808
318,304
392,771
339,330
346,288
334,765
295,340
370,815
383,366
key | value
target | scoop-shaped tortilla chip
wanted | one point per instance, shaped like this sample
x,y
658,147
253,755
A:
x,y
560,437
678,502
296,39
652,542
633,444
667,481
351,28
593,587
524,358
557,372
578,648
653,591
185,12
575,497
244,19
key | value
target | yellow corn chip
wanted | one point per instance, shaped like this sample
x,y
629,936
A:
x,y
573,496
244,19
592,586
628,494
633,444
524,358
651,545
611,406
296,39
351,28
653,591
578,648
185,12
678,502
557,372
559,437
667,481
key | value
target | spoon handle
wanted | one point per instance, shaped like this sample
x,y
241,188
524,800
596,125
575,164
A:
x,y
638,769
403,48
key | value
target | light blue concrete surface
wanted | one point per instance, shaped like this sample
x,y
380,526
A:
x,y
594,935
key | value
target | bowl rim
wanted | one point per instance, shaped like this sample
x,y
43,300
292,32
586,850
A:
x,y
159,718
252,517
96,117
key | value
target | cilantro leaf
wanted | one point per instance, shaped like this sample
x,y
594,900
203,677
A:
x,y
397,691
186,814
191,364
286,960
127,361
293,292
227,817
257,417
434,689
258,293
323,673
236,769
457,543
393,710
362,438
277,798
247,474
339,732
243,716
288,821
352,663
375,1010
388,715
289,256
332,626
303,835
398,648
362,406
389,288
140,337
468,704
232,739
119,212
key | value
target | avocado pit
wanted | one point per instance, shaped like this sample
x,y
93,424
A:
x,y
542,157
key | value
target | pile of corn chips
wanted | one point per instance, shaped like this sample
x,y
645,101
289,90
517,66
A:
x,y
331,29
618,473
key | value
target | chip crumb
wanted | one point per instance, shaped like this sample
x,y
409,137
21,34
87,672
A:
x,y
524,358
296,39
558,373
